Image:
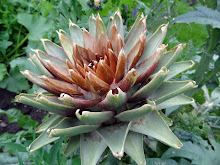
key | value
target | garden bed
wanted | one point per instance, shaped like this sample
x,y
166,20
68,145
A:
x,y
6,102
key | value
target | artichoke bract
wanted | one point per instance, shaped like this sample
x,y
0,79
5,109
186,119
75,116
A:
x,y
107,90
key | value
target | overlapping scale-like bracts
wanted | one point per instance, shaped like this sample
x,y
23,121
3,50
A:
x,y
107,90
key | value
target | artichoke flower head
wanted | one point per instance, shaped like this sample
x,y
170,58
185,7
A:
x,y
107,90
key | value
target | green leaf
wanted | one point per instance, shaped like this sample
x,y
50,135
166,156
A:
x,y
46,7
142,6
94,117
117,19
36,62
100,28
134,114
91,148
170,57
54,49
72,145
84,5
134,147
67,46
19,159
202,15
36,25
159,161
115,136
70,127
149,89
3,71
92,25
153,125
200,153
167,120
15,78
169,89
23,64
175,101
43,139
4,45
15,147
76,34
153,42
8,159
46,103
134,37
179,67
139,17
114,101
54,150
47,123
15,115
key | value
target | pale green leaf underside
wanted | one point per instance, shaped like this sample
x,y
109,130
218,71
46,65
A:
x,y
53,49
115,136
43,139
202,15
134,147
70,127
91,148
153,42
153,125
169,89
47,123
175,101
179,67
33,59
72,145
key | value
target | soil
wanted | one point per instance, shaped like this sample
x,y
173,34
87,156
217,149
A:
x,y
6,98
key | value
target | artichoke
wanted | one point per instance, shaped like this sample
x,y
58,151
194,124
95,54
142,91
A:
x,y
107,90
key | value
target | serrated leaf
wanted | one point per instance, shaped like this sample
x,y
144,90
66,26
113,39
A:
x,y
15,115
202,15
22,64
15,147
36,25
4,45
15,78
84,5
200,153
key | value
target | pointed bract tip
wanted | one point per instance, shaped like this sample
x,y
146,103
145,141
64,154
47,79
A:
x,y
25,72
118,155
77,113
92,16
70,22
179,147
62,95
98,16
164,27
43,39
